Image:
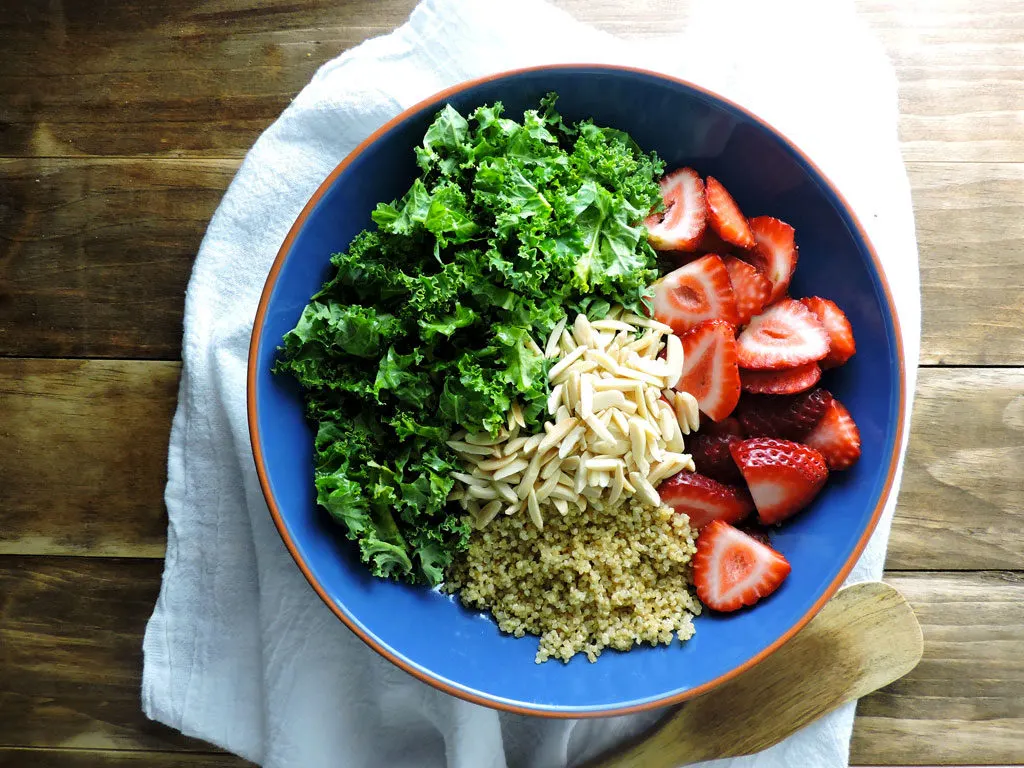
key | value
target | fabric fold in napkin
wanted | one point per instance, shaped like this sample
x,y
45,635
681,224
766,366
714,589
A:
x,y
239,650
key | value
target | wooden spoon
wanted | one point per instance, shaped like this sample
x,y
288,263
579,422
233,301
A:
x,y
864,638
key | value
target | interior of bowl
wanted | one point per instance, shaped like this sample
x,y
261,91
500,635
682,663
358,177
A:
x,y
463,652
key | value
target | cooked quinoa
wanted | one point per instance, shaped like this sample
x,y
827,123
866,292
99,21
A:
x,y
588,581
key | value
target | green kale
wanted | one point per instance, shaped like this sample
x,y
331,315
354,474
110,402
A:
x,y
431,321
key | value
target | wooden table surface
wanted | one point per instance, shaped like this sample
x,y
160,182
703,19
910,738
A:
x,y
122,123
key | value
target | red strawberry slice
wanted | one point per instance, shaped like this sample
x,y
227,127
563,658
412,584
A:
x,y
775,253
836,437
710,242
782,476
840,333
750,287
680,225
728,426
732,569
710,372
703,499
725,217
711,456
756,531
789,417
788,381
698,291
785,335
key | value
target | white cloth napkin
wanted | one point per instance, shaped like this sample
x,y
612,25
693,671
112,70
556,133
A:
x,y
240,651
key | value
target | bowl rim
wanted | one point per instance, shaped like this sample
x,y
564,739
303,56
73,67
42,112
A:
x,y
495,702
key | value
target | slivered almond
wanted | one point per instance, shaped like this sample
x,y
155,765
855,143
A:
x,y
582,331
545,489
555,398
603,360
673,360
505,491
609,399
483,438
518,465
534,509
603,463
645,490
562,505
556,432
570,440
517,413
492,465
611,325
551,467
571,393
551,348
563,364
482,493
488,513
514,446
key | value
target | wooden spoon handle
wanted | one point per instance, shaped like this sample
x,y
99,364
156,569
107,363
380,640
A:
x,y
864,638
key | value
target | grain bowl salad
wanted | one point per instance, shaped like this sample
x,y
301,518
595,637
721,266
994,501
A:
x,y
567,388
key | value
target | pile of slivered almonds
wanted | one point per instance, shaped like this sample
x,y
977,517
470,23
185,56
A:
x,y
616,427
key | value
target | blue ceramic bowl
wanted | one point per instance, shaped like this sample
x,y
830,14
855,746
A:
x,y
463,653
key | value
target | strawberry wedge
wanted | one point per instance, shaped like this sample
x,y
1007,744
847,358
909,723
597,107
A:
x,y
782,476
788,381
698,291
775,253
732,569
682,222
838,328
836,437
712,457
749,286
702,499
710,372
785,335
788,418
725,216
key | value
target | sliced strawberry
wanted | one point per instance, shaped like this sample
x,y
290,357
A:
x,y
711,456
680,225
749,286
789,417
732,569
710,372
782,476
698,291
775,253
785,335
703,499
838,328
756,531
727,426
788,381
710,242
725,217
836,437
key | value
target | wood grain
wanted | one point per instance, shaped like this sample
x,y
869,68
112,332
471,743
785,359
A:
x,y
83,456
71,654
971,241
80,83
72,629
963,703
962,503
95,256
870,627
88,439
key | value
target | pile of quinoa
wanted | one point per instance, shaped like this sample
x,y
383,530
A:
x,y
610,578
